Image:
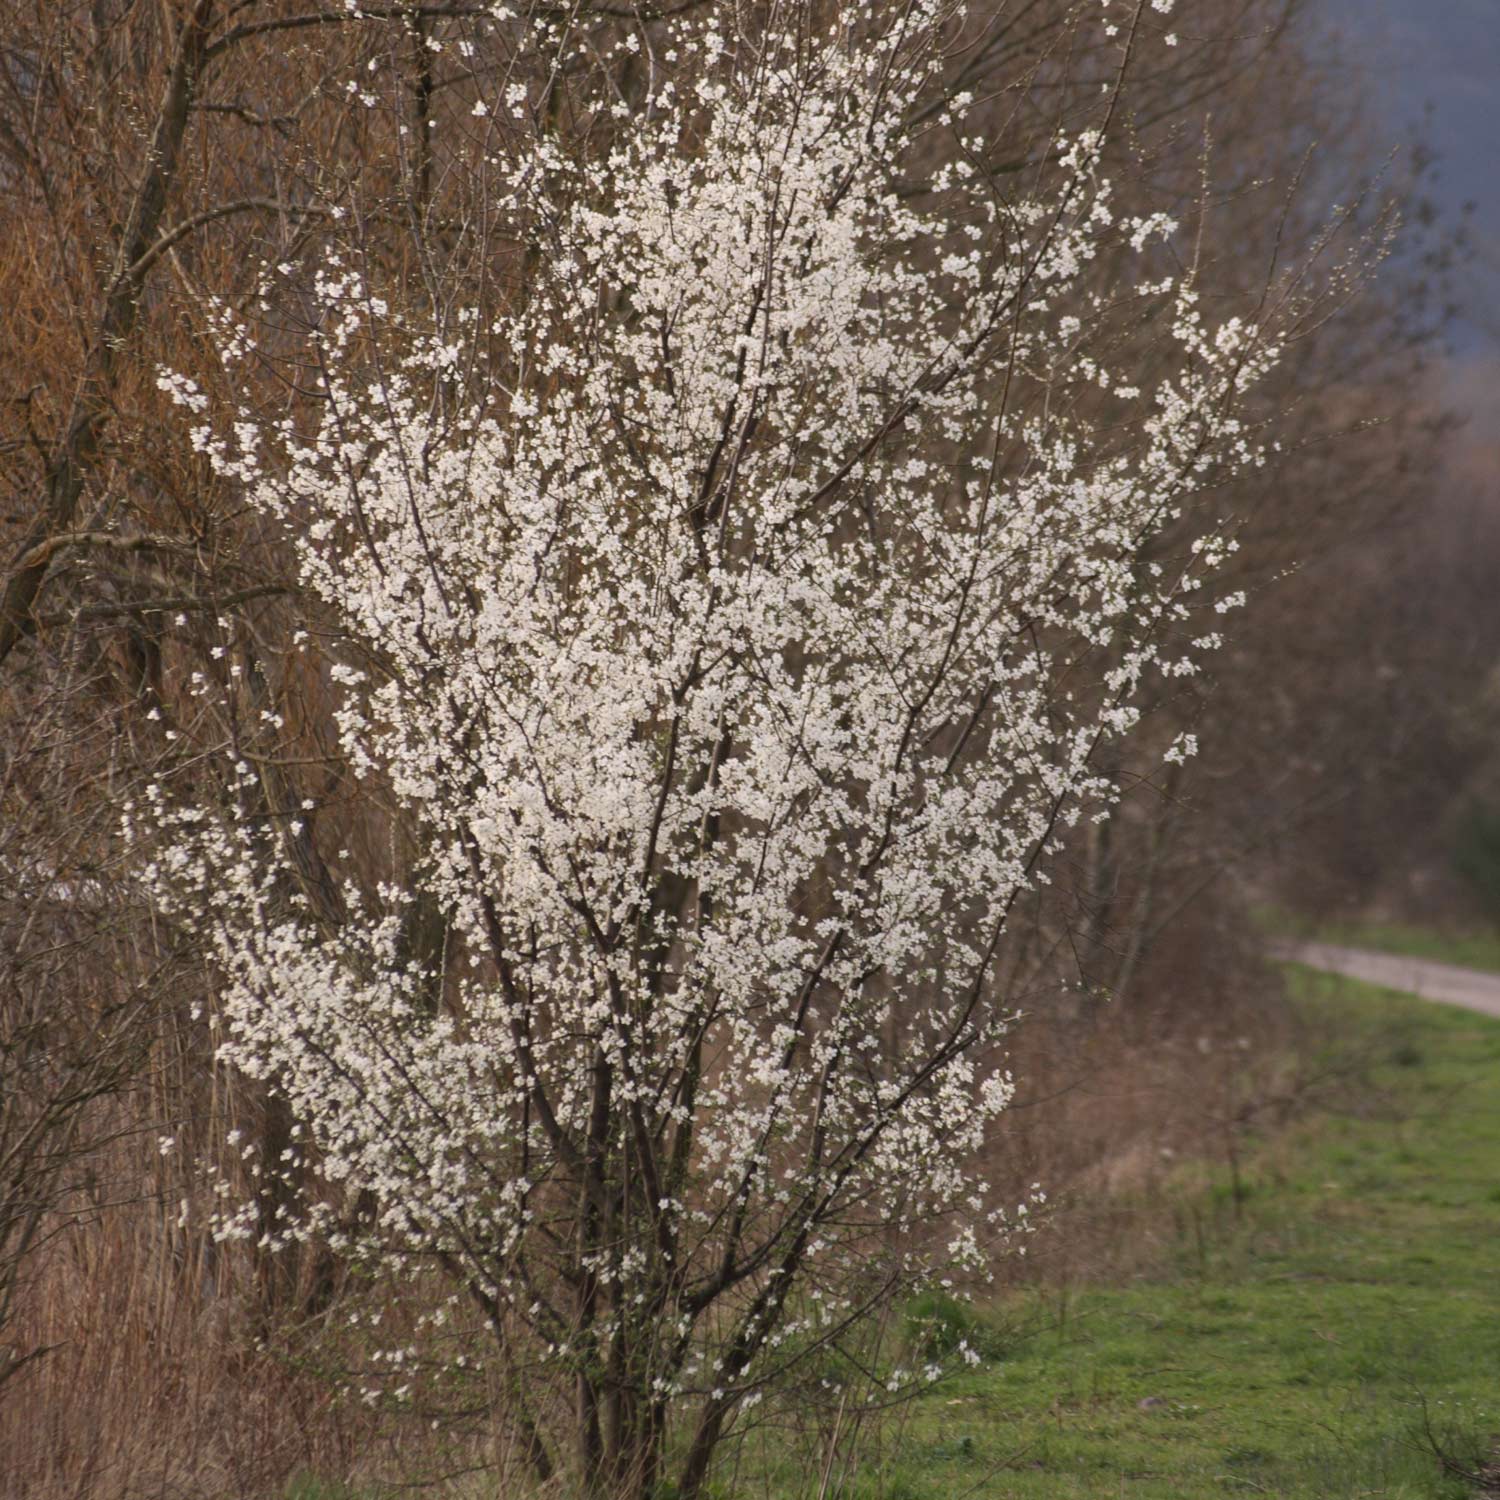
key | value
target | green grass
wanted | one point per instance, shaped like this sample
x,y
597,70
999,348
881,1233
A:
x,y
310,1487
1303,1349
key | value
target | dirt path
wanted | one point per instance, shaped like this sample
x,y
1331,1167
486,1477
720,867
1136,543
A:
x,y
1473,989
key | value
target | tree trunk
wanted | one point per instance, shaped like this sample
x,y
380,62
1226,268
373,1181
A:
x,y
73,459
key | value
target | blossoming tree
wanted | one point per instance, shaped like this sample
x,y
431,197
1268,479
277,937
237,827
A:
x,y
737,606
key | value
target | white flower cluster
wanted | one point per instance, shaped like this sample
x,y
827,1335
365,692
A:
x,y
745,640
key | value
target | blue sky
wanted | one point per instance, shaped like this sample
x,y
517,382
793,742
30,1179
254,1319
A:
x,y
1435,64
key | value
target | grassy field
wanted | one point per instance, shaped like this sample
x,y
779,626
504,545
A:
x,y
1320,1342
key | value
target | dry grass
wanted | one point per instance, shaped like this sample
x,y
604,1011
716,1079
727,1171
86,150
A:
x,y
1205,1051
152,1386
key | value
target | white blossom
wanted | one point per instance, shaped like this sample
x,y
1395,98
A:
x,y
741,644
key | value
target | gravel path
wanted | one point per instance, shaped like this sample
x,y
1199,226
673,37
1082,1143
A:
x,y
1473,989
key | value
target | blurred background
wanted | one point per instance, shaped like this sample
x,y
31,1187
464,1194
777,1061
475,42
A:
x,y
1418,837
